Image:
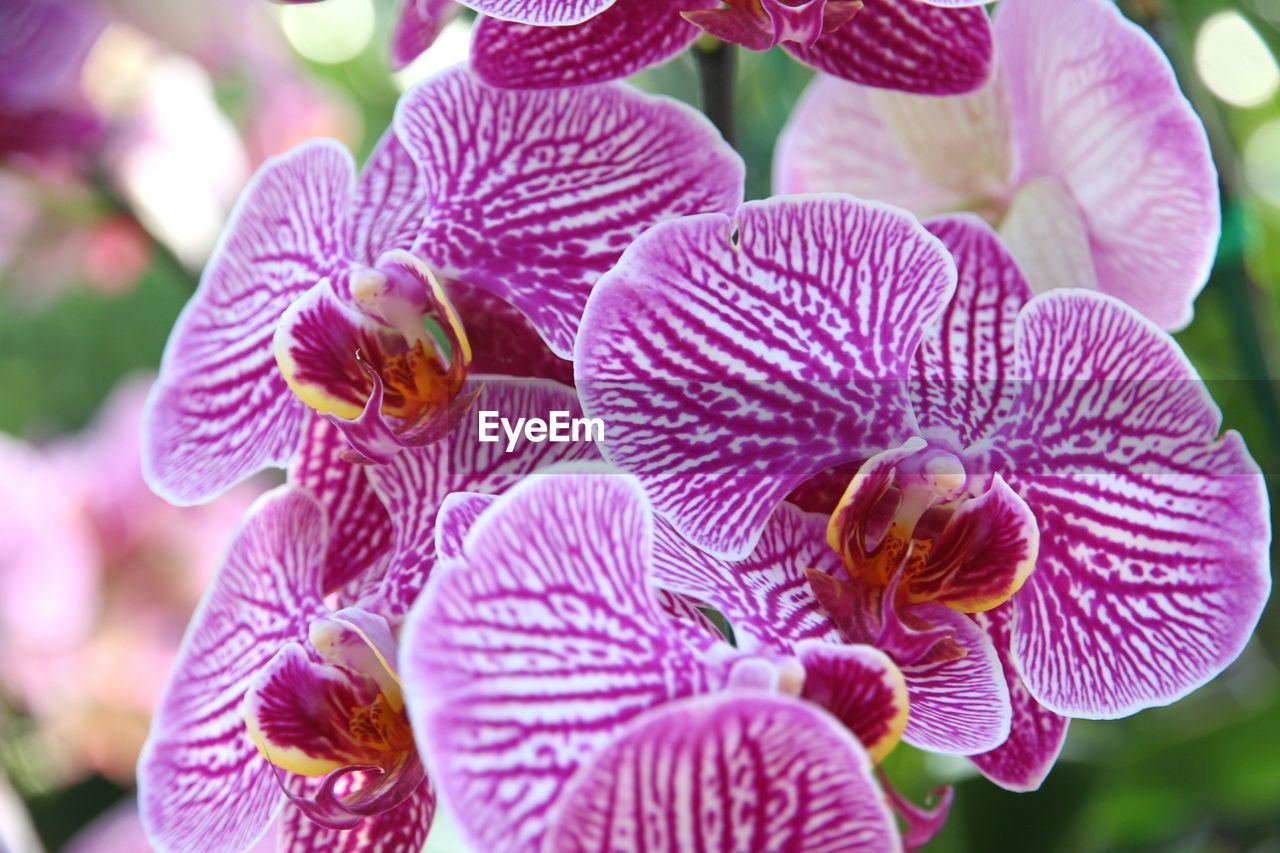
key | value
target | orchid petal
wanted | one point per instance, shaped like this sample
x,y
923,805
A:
x,y
543,13
416,29
738,771
360,529
1046,231
1154,531
1036,734
965,371
458,512
908,46
1101,112
529,654
415,483
220,411
958,706
388,208
503,341
297,713
861,687
533,195
766,597
402,829
733,358
202,782
628,37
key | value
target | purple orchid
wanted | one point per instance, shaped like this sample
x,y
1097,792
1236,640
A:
x,y
276,696
924,46
733,359
1082,151
547,680
42,49
333,294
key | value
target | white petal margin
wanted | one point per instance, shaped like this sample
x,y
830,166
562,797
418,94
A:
x,y
734,772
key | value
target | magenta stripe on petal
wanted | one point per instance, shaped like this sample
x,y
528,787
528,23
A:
x,y
529,654
731,359
388,208
545,13
534,195
733,772
202,783
630,36
907,45
1154,530
220,410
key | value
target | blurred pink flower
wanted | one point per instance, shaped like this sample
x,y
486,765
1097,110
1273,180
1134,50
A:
x,y
98,578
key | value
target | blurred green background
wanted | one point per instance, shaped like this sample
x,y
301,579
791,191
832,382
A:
x,y
1203,775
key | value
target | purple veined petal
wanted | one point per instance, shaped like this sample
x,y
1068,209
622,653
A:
x,y
1154,531
526,656
415,482
628,37
960,706
731,359
861,687
543,13
766,597
1048,234
503,341
388,208
928,155
360,529
533,195
736,771
1122,139
965,373
202,782
417,26
907,45
458,512
220,410
1036,734
399,830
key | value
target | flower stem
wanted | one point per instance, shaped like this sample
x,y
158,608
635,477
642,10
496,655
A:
x,y
717,64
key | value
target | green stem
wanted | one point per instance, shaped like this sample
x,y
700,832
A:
x,y
717,65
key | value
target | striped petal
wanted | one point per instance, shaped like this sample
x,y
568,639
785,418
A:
x,y
417,26
402,829
731,359
1036,734
766,597
628,37
958,706
458,512
202,782
1154,531
415,483
544,13
1102,113
503,341
533,195
965,372
388,207
907,45
732,772
220,410
359,527
529,654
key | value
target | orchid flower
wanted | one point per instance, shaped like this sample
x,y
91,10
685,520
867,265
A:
x,y
42,50
282,700
331,295
563,705
1081,150
1051,464
934,47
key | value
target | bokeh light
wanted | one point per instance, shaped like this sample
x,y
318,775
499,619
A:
x,y
330,32
1234,62
1262,161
